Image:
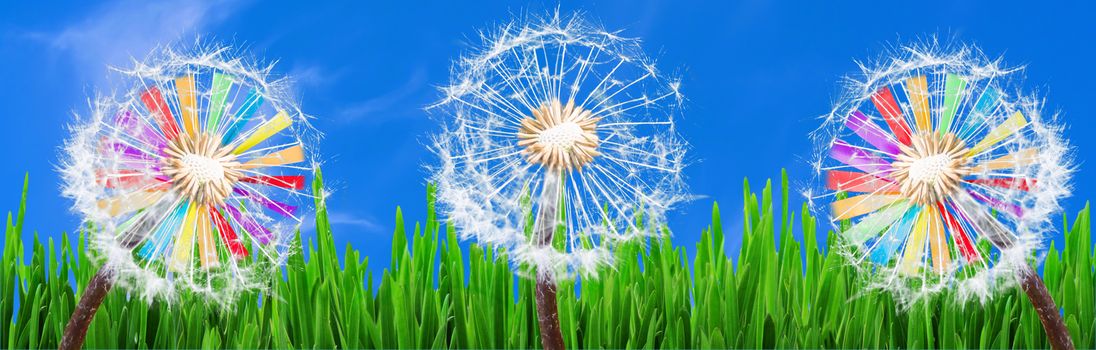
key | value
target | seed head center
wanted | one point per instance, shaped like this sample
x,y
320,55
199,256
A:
x,y
560,137
931,168
564,135
201,169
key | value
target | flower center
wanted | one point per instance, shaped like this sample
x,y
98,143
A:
x,y
201,169
564,135
559,137
931,168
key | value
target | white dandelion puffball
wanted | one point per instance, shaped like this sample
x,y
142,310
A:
x,y
558,111
939,178
194,179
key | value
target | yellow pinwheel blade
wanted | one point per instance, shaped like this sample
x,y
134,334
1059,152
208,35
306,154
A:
x,y
184,243
265,131
915,247
918,90
1011,125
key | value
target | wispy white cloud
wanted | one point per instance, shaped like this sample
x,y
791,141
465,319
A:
x,y
345,220
379,108
338,218
118,31
313,75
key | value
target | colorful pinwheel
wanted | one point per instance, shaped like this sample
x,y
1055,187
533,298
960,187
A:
x,y
938,179
195,180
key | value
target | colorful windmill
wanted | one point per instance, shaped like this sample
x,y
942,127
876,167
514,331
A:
x,y
939,179
194,181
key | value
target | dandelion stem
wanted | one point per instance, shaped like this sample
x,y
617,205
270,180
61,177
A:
x,y
551,336
1057,333
77,329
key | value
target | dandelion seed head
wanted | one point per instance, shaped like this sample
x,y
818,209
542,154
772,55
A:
x,y
936,175
558,105
193,180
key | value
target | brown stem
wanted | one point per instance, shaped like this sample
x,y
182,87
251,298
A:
x,y
1057,333
551,334
77,329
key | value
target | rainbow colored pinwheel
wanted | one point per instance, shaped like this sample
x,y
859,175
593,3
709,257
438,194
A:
x,y
195,180
938,176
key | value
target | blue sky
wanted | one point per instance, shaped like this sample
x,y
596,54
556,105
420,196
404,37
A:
x,y
756,75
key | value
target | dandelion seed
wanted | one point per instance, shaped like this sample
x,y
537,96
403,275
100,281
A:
x,y
570,125
194,180
937,178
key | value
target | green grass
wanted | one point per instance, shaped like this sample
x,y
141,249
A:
x,y
437,295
